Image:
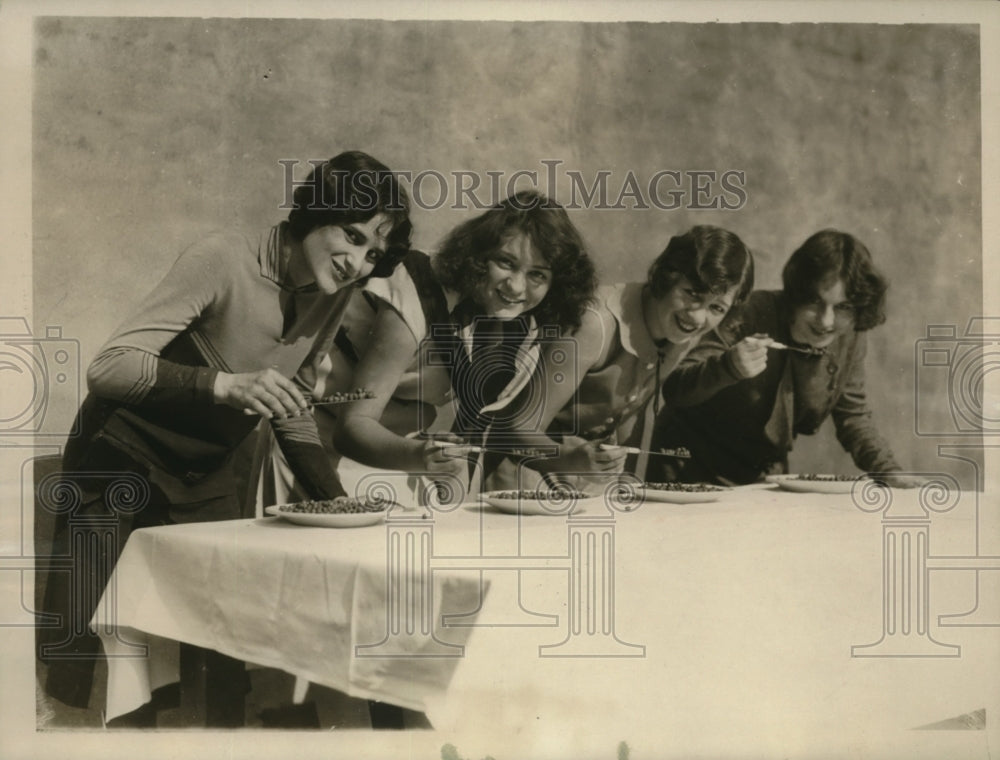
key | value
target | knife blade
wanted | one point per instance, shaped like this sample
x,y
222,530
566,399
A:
x,y
320,402
800,349
678,453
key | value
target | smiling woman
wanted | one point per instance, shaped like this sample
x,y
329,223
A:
x,y
634,335
517,279
188,376
335,256
738,401
474,323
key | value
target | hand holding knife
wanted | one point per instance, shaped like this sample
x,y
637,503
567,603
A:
x,y
331,400
809,350
679,453
769,342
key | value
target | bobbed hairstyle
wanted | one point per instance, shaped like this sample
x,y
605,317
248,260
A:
x,y
461,262
827,256
711,258
353,187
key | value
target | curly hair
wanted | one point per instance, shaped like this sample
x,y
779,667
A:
x,y
348,188
829,255
711,258
461,262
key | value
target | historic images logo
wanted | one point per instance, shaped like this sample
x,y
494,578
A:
x,y
961,365
413,619
603,190
33,368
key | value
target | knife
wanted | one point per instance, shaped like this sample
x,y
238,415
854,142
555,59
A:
x,y
800,349
320,402
679,453
342,399
450,444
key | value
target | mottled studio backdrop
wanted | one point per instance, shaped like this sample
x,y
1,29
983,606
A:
x,y
150,132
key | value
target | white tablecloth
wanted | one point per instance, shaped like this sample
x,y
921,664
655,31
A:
x,y
311,601
700,624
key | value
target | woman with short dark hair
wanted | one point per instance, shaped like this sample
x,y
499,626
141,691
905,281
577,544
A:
x,y
797,356
829,253
189,374
627,342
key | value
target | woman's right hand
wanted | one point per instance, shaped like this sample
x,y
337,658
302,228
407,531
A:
x,y
266,392
447,455
749,356
594,456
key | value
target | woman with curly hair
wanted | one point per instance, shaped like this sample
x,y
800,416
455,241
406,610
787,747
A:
x,y
473,321
740,398
633,337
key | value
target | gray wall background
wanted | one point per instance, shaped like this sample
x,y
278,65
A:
x,y
149,132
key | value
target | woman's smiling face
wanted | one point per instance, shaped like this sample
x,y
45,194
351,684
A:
x,y
334,256
517,279
821,321
684,314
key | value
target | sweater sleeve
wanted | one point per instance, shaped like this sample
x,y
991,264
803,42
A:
x,y
298,438
705,371
129,368
852,419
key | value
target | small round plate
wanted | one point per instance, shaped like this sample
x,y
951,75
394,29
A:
x,y
556,507
327,519
798,484
680,497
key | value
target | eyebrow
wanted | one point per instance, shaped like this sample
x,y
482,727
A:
x,y
380,236
513,257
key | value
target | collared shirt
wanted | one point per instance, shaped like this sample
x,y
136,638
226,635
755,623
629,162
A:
x,y
444,328
740,429
610,398
223,307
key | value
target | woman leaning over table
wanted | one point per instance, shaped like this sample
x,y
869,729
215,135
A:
x,y
474,321
187,376
633,337
797,356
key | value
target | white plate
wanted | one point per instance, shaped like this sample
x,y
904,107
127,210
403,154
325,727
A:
x,y
555,508
328,520
797,485
679,497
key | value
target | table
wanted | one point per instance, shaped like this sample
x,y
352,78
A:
x,y
310,601
706,623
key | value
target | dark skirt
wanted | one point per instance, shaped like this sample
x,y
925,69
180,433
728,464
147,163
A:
x,y
101,495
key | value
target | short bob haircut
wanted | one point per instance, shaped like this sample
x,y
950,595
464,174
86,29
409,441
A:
x,y
349,188
830,255
462,259
711,258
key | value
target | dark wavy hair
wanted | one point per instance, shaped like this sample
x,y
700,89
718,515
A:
x,y
829,255
462,259
711,258
353,187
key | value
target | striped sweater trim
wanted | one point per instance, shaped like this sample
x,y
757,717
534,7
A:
x,y
209,352
147,372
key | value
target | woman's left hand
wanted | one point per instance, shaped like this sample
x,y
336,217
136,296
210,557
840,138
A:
x,y
899,479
